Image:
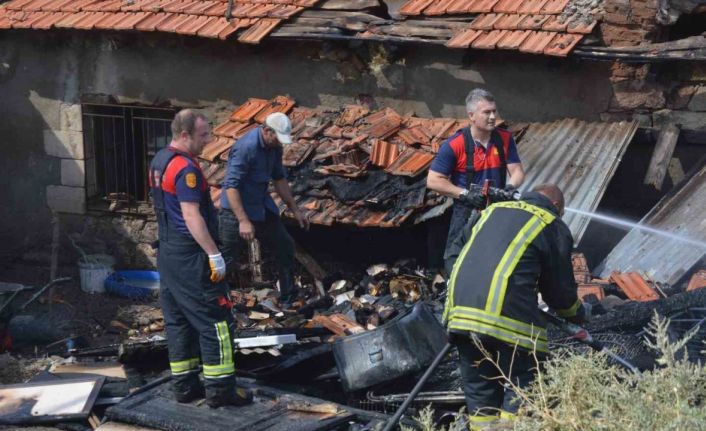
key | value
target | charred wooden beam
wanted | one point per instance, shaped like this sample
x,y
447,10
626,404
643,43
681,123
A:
x,y
633,316
666,143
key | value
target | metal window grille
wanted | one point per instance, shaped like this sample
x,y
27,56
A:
x,y
120,142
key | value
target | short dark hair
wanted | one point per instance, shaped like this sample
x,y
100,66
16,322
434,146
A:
x,y
185,121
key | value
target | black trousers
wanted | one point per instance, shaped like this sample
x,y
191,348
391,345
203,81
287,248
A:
x,y
486,394
197,326
459,217
271,232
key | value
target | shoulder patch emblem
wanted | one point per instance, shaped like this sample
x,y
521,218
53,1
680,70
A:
x,y
191,180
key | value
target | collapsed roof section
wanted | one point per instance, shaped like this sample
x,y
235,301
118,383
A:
x,y
352,165
363,167
673,240
550,27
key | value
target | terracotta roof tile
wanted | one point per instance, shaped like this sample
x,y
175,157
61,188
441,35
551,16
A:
x,y
230,129
533,22
5,22
414,135
482,6
111,20
152,5
77,5
536,42
555,23
56,6
170,25
248,110
562,44
49,20
509,21
18,4
415,7
258,31
200,7
131,20
278,104
410,163
70,20
89,21
194,24
486,21
26,19
531,6
235,25
36,5
513,39
554,7
351,114
595,289
383,153
464,38
216,147
284,11
218,9
458,6
150,23
297,152
104,6
438,7
213,28
634,286
489,39
697,281
507,6
580,27
179,6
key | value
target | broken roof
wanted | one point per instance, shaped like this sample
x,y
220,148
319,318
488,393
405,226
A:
x,y
205,18
663,257
363,167
550,27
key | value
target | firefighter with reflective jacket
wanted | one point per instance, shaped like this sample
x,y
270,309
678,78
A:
x,y
193,295
504,256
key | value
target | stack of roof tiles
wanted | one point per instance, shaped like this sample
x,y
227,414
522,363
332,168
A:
x,y
381,151
534,26
204,18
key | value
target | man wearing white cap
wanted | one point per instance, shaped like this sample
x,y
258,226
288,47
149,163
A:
x,y
247,209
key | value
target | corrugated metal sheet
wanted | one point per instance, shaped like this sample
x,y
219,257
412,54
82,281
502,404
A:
x,y
663,259
578,156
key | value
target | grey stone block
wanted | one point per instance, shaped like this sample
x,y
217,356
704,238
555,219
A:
x,y
698,100
65,199
73,173
70,117
65,144
686,119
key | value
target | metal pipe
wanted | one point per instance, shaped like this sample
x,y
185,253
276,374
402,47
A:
x,y
417,388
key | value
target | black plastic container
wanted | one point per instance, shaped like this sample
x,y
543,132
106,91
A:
x,y
405,345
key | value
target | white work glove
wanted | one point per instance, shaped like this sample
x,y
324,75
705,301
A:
x,y
218,267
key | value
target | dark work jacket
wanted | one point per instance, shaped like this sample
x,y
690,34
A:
x,y
503,257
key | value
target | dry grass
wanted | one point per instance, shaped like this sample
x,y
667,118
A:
x,y
585,392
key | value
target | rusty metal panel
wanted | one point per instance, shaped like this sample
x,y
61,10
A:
x,y
578,156
662,258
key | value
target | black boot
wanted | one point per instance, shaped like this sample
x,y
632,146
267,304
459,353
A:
x,y
187,388
222,394
288,291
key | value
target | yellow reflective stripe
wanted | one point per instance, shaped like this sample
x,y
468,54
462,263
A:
x,y
569,312
514,252
461,257
185,366
218,370
226,351
480,419
546,216
530,343
507,415
522,328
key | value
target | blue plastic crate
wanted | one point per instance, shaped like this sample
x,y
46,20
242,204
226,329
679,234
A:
x,y
133,284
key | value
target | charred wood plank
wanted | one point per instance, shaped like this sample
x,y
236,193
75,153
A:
x,y
309,263
635,315
666,143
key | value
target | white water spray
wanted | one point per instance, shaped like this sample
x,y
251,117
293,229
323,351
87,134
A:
x,y
634,225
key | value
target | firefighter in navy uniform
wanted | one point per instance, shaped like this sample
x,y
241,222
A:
x,y
503,257
193,295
